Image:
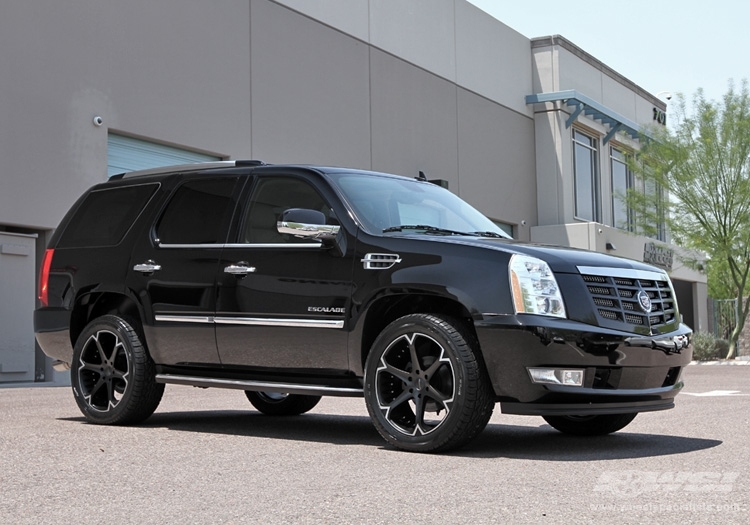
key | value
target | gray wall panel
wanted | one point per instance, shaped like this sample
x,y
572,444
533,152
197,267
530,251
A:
x,y
419,31
310,91
414,123
492,59
350,16
147,68
496,161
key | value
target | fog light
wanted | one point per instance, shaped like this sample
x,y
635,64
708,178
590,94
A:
x,y
556,376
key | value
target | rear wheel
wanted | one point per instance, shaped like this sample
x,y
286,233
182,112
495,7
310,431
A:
x,y
277,404
425,384
112,374
590,425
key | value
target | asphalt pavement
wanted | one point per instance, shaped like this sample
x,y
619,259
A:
x,y
206,456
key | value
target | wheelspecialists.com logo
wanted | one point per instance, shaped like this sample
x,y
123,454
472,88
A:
x,y
632,483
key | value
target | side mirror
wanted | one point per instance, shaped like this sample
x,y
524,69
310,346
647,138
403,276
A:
x,y
308,224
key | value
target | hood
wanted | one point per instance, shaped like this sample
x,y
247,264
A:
x,y
560,259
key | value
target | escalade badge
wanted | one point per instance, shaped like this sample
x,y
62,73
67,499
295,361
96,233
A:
x,y
645,301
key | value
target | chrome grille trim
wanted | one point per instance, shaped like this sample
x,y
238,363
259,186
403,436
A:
x,y
614,292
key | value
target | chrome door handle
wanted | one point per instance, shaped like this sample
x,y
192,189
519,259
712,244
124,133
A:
x,y
239,269
148,267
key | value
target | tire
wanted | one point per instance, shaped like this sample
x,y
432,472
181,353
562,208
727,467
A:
x,y
275,404
112,374
590,425
440,404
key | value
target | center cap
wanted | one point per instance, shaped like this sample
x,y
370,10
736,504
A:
x,y
421,383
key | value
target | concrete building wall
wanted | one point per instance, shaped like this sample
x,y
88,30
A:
x,y
369,85
148,68
427,85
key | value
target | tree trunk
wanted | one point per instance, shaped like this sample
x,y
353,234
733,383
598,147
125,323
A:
x,y
733,338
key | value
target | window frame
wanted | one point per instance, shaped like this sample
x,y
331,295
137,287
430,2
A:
x,y
594,175
224,224
627,155
248,200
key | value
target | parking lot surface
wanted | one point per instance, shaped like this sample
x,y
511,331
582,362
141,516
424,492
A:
x,y
206,456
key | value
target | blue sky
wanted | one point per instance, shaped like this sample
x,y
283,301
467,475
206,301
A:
x,y
675,46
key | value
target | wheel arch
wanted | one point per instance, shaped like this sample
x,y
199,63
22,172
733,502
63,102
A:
x,y
92,304
387,309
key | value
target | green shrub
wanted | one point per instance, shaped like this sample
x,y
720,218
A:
x,y
706,347
722,348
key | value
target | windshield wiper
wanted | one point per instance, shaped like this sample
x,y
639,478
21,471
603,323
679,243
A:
x,y
427,229
489,234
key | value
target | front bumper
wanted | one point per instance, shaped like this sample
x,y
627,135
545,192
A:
x,y
623,373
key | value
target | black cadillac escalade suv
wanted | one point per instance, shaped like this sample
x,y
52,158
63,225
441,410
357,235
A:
x,y
294,282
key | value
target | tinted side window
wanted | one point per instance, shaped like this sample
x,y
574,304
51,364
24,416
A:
x,y
271,197
105,216
198,213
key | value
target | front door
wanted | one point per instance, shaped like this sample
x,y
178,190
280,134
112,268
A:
x,y
282,301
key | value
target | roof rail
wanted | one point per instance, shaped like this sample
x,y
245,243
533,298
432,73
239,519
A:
x,y
188,167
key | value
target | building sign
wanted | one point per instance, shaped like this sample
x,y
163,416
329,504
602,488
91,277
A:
x,y
660,116
658,255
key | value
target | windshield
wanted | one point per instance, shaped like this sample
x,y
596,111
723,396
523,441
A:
x,y
385,204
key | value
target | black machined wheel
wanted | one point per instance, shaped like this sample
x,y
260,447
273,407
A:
x,y
112,374
278,404
425,387
590,425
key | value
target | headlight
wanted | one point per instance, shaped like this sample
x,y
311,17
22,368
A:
x,y
534,287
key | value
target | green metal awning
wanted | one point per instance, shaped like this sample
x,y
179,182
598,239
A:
x,y
583,104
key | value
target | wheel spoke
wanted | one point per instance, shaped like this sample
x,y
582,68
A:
x,y
415,365
403,375
400,400
439,397
437,364
97,386
90,367
419,407
112,394
100,350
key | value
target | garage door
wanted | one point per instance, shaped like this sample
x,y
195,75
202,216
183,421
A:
x,y
128,154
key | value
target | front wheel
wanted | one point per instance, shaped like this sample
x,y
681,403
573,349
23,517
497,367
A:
x,y
426,388
276,404
112,374
590,425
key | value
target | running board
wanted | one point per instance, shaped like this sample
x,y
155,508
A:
x,y
259,386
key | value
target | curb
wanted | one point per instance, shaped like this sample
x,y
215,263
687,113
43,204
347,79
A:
x,y
740,361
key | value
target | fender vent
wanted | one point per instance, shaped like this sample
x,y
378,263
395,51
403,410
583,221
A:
x,y
380,261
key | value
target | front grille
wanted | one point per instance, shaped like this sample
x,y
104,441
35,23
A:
x,y
616,299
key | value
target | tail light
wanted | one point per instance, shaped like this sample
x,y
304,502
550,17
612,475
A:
x,y
44,277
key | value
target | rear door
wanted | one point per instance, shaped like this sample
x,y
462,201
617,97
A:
x,y
173,269
282,300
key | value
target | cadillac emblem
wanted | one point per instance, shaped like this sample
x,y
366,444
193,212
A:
x,y
645,301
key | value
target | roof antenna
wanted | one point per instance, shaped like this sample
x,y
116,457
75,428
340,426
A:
x,y
422,176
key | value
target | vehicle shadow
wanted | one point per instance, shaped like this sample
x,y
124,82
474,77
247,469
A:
x,y
545,443
496,441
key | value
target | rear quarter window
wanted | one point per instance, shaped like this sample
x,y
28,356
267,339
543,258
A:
x,y
105,216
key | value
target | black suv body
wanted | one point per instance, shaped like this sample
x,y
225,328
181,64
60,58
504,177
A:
x,y
293,282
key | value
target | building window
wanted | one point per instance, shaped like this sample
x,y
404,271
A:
x,y
507,228
586,177
657,211
622,181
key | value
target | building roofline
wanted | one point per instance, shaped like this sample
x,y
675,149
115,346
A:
x,y
559,40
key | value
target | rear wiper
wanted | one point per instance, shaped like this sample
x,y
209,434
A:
x,y
428,229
